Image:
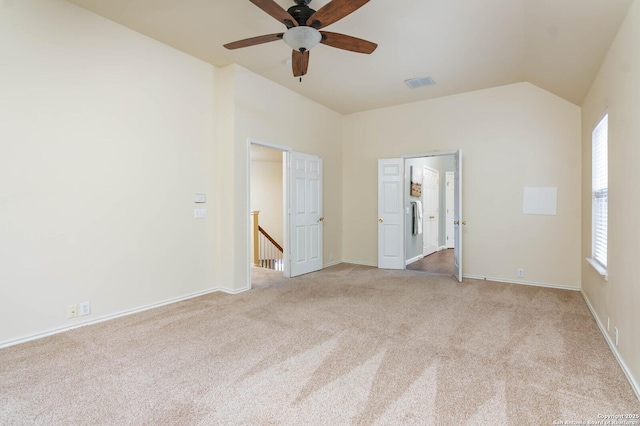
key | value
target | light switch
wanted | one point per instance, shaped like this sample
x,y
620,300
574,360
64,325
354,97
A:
x,y
200,213
201,198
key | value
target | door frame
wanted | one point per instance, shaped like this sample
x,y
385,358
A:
x,y
285,199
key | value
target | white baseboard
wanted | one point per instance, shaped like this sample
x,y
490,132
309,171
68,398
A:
x,y
521,282
415,259
357,262
334,263
632,381
59,330
442,248
241,290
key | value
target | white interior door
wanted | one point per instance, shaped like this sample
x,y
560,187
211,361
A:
x,y
305,213
449,195
430,213
390,214
457,215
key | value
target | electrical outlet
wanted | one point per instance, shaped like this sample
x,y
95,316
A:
x,y
84,308
520,273
330,257
72,311
615,329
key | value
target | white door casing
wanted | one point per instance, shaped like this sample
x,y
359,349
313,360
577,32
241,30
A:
x,y
390,214
449,194
457,215
305,213
430,207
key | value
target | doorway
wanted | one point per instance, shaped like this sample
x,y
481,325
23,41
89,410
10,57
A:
x,y
284,195
399,242
436,255
266,203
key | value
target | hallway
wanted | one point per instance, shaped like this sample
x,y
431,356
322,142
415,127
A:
x,y
440,262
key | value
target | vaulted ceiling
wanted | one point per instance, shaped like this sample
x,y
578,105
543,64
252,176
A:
x,y
463,45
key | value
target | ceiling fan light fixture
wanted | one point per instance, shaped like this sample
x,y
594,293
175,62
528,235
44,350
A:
x,y
302,38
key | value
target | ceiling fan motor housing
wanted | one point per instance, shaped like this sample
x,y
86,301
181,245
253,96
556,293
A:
x,y
301,12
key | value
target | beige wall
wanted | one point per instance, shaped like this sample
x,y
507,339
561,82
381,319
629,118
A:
x,y
511,137
266,112
105,137
617,90
267,196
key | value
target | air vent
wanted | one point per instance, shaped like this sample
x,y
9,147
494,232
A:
x,y
414,83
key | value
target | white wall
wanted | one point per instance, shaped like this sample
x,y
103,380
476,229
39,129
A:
x,y
616,89
105,137
511,137
266,112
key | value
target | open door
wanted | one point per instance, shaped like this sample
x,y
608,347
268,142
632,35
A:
x,y
305,214
390,214
457,215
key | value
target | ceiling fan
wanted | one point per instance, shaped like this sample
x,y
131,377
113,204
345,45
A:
x,y
302,33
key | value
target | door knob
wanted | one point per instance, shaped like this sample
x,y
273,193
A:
x,y
464,222
321,219
432,217
380,220
457,222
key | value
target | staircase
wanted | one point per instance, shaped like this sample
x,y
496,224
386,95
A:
x,y
266,252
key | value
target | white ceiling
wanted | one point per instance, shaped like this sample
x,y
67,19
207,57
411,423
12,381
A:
x,y
464,45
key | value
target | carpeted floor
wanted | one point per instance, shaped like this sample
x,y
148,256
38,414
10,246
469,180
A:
x,y
347,345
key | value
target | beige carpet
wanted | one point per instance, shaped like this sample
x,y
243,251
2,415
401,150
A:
x,y
348,345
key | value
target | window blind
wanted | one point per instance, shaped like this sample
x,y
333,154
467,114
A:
x,y
600,190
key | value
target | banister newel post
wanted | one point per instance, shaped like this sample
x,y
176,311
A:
x,y
254,228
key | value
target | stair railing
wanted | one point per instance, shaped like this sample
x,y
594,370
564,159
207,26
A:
x,y
266,253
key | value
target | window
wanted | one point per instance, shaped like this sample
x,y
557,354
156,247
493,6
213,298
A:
x,y
600,193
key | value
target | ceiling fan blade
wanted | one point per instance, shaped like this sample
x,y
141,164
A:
x,y
274,9
334,11
346,42
253,41
300,63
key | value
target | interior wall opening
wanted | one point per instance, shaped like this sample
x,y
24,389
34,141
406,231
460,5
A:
x,y
429,214
266,189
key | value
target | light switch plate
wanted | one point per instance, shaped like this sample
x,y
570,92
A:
x,y
201,198
200,213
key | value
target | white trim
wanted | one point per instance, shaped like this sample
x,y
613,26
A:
x,y
357,262
268,145
520,282
442,248
109,317
334,263
598,267
414,259
238,291
632,381
430,154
